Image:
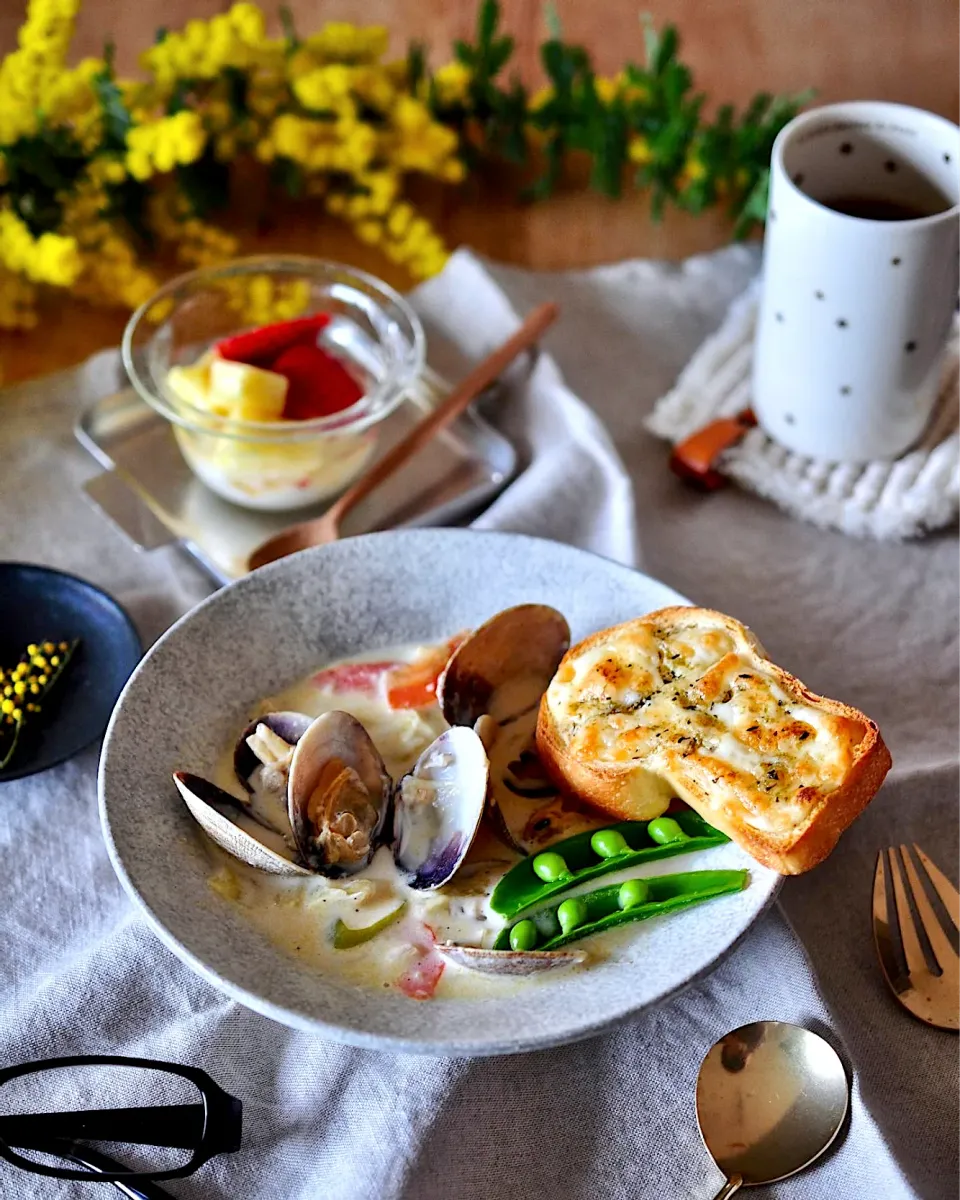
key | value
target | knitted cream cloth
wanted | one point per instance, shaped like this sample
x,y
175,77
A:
x,y
906,498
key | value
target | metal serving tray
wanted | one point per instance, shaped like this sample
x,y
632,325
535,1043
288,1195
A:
x,y
151,494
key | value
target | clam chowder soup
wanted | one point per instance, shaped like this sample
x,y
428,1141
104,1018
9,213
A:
x,y
387,819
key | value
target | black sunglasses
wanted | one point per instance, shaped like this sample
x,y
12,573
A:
x,y
209,1126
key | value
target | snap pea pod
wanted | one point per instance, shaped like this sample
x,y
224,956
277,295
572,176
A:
x,y
345,937
578,861
609,907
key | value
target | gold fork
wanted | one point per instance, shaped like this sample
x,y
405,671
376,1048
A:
x,y
930,994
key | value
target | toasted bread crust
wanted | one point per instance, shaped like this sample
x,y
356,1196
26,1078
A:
x,y
631,791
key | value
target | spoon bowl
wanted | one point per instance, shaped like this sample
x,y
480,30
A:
x,y
771,1097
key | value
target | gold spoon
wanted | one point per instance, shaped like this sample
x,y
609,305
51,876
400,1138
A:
x,y
326,528
771,1097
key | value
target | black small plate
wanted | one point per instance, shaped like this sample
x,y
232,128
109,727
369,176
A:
x,y
38,603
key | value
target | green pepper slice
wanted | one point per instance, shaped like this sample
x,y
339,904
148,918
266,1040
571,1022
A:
x,y
345,937
600,910
522,887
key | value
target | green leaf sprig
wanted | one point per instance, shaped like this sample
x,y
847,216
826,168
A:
x,y
646,126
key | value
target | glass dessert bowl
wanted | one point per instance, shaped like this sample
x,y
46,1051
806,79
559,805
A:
x,y
275,414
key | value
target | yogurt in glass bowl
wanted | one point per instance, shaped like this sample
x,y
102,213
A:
x,y
243,427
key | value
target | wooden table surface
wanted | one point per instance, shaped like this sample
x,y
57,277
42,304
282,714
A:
x,y
574,229
858,49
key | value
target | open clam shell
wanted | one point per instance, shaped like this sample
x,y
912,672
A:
x,y
504,666
560,817
494,681
261,760
216,811
338,795
510,962
438,807
253,752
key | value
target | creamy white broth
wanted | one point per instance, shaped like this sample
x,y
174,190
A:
x,y
299,915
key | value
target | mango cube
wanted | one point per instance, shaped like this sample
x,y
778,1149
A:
x,y
250,393
192,386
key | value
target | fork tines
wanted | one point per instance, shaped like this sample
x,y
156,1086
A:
x,y
921,966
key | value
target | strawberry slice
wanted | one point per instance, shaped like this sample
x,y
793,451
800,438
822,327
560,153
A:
x,y
319,384
259,347
353,677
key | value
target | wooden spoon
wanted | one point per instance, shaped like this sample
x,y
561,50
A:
x,y
326,528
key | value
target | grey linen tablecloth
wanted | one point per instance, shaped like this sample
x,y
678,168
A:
x,y
608,1118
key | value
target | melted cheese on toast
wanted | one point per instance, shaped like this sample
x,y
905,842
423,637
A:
x,y
697,703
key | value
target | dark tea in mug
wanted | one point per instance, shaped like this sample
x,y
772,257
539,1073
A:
x,y
878,208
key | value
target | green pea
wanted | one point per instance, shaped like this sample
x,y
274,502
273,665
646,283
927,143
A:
x,y
608,843
571,914
633,893
523,936
665,829
550,867
548,927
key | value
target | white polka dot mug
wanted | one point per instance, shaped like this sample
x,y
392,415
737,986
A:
x,y
860,279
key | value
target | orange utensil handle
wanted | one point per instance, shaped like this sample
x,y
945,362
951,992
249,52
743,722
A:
x,y
694,459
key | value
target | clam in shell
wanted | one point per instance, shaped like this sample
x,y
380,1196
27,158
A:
x,y
217,813
504,666
495,681
338,795
438,807
261,760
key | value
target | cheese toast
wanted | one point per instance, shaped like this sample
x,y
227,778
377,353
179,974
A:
x,y
685,702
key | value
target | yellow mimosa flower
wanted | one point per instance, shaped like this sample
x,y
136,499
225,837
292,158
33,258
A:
x,y
452,82
639,150
606,88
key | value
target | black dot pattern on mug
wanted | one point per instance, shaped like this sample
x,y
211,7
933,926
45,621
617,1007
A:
x,y
846,390
890,166
946,158
896,261
819,295
789,418
910,347
846,148
798,179
842,322
778,317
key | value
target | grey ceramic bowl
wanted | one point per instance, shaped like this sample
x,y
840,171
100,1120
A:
x,y
194,690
